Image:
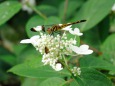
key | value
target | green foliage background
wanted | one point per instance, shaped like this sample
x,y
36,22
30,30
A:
x,y
98,69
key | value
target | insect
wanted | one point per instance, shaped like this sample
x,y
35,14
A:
x,y
56,27
46,50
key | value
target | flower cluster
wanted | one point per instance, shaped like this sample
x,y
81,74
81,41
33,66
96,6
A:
x,y
76,71
53,48
25,7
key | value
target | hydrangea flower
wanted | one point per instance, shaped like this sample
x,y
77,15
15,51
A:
x,y
53,48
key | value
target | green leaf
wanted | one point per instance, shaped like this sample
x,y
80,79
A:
x,y
91,38
90,77
47,9
18,49
93,11
52,2
32,81
104,27
35,69
52,20
33,22
54,81
36,21
94,62
72,5
28,53
108,49
8,58
8,9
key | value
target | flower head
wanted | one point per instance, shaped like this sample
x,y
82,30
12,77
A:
x,y
76,71
53,48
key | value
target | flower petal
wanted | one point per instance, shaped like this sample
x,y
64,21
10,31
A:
x,y
25,41
76,31
38,28
58,67
113,8
67,28
83,49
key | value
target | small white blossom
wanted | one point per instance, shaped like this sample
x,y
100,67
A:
x,y
83,49
25,7
76,31
76,71
113,8
37,28
57,67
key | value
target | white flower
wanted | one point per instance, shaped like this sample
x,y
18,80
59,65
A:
x,y
76,31
53,48
37,28
31,40
67,28
83,49
113,8
27,8
76,71
57,67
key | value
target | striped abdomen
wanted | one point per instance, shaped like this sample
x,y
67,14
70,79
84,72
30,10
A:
x,y
65,25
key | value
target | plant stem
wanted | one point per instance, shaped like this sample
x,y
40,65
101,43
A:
x,y
37,11
65,64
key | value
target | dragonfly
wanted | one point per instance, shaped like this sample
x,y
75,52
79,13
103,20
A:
x,y
56,27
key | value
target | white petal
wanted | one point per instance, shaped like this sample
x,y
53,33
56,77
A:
x,y
58,67
113,8
25,41
83,49
31,40
38,28
60,24
76,31
74,48
67,28
87,52
35,37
